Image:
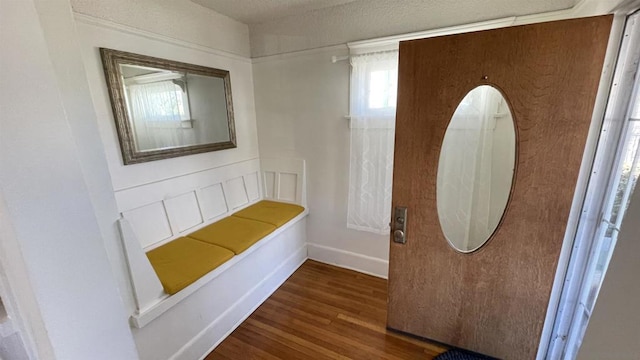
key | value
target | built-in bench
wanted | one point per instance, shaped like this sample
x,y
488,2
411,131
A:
x,y
181,262
205,249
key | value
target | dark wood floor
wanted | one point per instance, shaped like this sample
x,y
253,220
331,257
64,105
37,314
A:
x,y
323,312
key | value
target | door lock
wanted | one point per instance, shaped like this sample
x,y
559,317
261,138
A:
x,y
398,236
399,222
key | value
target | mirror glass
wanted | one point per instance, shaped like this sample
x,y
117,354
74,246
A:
x,y
169,109
476,169
166,108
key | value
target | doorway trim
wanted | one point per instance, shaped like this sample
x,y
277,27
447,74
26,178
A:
x,y
615,93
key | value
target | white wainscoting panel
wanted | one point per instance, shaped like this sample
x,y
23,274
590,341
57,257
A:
x,y
236,193
193,320
284,180
150,223
144,194
184,212
154,214
212,201
164,210
287,187
269,184
252,185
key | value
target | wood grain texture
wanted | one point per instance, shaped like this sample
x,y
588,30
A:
x,y
323,312
494,300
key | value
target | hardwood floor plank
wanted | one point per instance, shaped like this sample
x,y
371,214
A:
x,y
278,348
433,349
351,345
293,339
323,312
232,346
281,310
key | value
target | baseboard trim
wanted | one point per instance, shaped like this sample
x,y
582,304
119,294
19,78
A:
x,y
242,309
349,260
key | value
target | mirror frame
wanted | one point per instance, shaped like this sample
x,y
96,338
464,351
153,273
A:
x,y
111,61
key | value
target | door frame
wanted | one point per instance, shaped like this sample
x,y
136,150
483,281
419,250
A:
x,y
612,102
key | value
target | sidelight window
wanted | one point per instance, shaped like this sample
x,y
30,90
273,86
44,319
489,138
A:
x,y
374,81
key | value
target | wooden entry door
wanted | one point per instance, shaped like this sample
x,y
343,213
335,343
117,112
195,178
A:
x,y
494,300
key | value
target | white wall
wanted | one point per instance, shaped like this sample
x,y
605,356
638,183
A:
x,y
95,33
175,19
42,180
614,329
58,179
301,101
22,330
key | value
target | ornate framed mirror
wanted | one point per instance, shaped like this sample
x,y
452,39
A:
x,y
165,109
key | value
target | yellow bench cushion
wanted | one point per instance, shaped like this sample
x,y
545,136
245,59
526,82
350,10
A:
x,y
233,233
270,212
183,261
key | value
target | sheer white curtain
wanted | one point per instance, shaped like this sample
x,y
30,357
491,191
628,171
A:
x,y
374,79
157,110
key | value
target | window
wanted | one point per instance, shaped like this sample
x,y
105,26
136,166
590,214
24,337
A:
x,y
374,80
159,102
383,86
158,109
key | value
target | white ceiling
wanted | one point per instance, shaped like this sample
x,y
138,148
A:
x,y
281,26
257,11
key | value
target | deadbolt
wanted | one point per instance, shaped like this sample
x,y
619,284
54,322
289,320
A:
x,y
399,227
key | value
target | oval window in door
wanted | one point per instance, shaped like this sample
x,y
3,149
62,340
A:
x,y
476,169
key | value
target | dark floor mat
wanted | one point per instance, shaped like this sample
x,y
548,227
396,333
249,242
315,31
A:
x,y
461,355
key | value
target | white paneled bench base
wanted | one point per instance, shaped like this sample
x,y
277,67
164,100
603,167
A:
x,y
191,322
